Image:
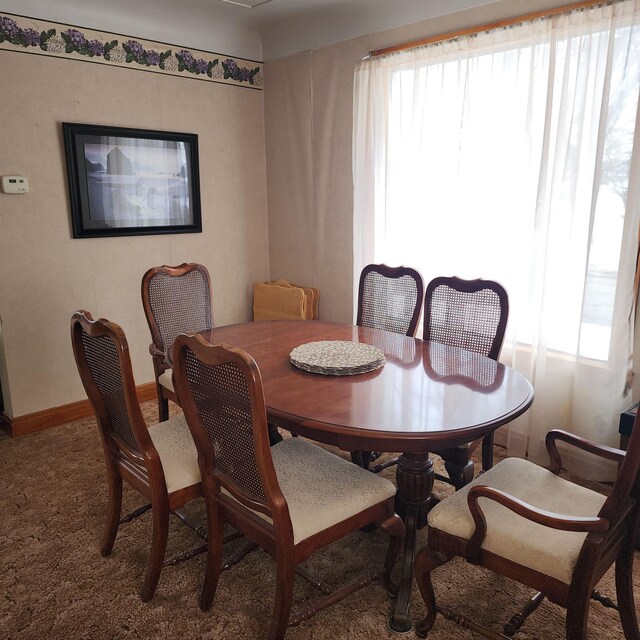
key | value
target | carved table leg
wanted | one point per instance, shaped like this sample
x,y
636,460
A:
x,y
415,482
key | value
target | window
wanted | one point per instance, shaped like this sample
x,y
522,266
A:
x,y
507,156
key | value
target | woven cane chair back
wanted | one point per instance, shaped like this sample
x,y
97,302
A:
x,y
177,300
390,298
470,314
101,353
224,405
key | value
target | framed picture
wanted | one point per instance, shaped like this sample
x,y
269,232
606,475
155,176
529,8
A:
x,y
125,182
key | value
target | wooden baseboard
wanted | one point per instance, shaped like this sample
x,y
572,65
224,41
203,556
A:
x,y
40,420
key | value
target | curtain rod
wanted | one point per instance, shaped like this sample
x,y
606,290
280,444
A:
x,y
528,17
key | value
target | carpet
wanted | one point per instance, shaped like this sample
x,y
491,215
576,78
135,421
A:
x,y
54,584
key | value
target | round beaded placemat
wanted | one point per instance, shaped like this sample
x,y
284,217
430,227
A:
x,y
337,357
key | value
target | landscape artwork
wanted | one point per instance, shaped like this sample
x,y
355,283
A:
x,y
143,182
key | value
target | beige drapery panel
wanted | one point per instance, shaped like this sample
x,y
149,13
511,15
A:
x,y
308,110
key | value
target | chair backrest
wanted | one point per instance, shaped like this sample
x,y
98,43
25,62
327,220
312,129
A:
x,y
223,400
471,314
102,356
620,509
390,298
176,300
627,484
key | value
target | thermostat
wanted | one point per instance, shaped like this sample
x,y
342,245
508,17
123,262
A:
x,y
15,184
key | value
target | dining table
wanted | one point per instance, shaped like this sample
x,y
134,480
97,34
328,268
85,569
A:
x,y
426,397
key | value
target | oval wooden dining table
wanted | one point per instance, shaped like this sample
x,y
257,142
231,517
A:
x,y
426,397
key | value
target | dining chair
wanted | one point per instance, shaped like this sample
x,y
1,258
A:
x,y
160,462
389,298
472,315
290,499
527,523
175,300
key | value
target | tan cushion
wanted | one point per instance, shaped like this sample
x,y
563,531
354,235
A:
x,y
172,439
321,488
278,300
532,545
166,380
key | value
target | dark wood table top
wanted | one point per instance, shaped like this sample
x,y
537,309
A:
x,y
427,396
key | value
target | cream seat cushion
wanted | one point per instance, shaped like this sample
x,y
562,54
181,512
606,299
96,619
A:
x,y
322,489
174,444
166,380
532,545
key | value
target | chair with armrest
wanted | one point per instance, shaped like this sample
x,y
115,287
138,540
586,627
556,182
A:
x,y
175,300
291,499
472,315
528,524
161,462
389,298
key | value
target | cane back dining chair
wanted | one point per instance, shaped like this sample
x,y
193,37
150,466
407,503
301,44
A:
x,y
471,314
389,298
291,499
161,462
528,524
175,300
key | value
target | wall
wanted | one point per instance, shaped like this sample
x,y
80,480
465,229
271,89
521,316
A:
x,y
321,24
308,122
188,23
45,275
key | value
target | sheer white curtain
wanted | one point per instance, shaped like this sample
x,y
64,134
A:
x,y
514,155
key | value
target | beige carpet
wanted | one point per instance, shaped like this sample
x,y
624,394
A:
x,y
55,585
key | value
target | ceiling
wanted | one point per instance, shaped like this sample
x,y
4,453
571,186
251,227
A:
x,y
270,29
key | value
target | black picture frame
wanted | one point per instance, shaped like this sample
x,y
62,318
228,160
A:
x,y
131,182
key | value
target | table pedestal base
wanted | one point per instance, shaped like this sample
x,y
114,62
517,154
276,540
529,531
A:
x,y
415,482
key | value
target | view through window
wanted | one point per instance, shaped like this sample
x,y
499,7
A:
x,y
498,165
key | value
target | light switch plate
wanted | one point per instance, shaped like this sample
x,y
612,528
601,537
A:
x,y
15,184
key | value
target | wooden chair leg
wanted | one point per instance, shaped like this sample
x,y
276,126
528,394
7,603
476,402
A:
x,y
394,526
163,405
215,541
286,573
274,434
115,507
379,468
578,612
459,476
624,590
361,458
426,561
518,619
487,452
160,517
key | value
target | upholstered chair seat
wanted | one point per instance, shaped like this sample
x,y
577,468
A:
x,y
322,489
532,545
178,454
166,380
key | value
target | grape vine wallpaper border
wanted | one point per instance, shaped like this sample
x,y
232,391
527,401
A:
x,y
42,37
